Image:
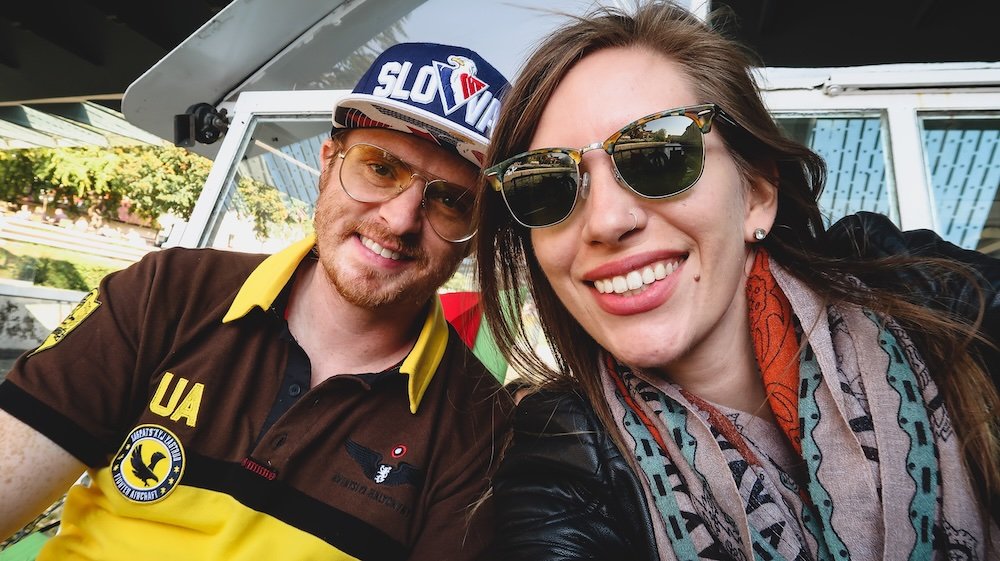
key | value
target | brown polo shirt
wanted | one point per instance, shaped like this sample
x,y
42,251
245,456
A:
x,y
177,384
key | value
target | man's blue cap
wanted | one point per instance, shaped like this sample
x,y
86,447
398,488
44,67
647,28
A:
x,y
447,95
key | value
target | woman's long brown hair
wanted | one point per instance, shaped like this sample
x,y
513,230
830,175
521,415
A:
x,y
720,71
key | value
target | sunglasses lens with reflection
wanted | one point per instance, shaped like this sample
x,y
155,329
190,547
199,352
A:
x,y
540,190
656,159
662,157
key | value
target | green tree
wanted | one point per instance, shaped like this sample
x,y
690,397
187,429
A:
x,y
159,180
269,208
79,178
17,175
153,180
150,180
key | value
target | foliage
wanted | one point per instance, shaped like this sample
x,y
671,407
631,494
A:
x,y
151,180
167,179
47,266
270,208
71,275
464,278
16,175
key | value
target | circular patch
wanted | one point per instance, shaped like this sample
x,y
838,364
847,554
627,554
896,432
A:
x,y
399,451
149,464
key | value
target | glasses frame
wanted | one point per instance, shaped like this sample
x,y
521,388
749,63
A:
x,y
702,115
427,179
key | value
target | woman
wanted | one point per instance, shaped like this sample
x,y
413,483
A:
x,y
724,385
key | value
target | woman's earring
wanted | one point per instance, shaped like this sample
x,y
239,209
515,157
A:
x,y
759,234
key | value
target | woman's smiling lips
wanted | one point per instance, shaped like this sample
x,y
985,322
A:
x,y
635,279
635,285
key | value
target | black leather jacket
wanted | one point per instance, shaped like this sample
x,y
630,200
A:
x,y
564,491
873,235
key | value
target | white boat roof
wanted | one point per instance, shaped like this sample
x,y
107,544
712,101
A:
x,y
253,45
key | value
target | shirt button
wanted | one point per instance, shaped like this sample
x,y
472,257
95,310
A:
x,y
279,440
294,390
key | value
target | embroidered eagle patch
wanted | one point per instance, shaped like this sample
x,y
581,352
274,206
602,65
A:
x,y
149,464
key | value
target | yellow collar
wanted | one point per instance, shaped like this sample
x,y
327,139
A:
x,y
272,275
266,281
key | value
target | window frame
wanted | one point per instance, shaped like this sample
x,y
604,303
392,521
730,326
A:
x,y
903,106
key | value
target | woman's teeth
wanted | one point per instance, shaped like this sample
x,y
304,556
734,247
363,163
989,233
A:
x,y
376,248
649,274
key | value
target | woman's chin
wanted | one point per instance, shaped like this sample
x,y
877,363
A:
x,y
644,359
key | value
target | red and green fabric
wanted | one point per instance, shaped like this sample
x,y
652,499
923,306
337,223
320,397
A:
x,y
464,312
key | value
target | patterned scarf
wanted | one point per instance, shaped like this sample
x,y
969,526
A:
x,y
862,463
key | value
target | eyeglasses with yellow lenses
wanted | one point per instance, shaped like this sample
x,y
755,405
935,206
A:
x,y
370,174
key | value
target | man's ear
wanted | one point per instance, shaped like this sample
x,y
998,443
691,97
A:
x,y
329,150
761,206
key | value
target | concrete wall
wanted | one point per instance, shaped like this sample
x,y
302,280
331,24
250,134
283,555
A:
x,y
28,313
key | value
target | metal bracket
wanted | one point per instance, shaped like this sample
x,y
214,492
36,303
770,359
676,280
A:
x,y
202,122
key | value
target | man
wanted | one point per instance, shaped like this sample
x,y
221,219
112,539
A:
x,y
310,405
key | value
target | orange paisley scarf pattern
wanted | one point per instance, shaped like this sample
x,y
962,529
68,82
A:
x,y
775,342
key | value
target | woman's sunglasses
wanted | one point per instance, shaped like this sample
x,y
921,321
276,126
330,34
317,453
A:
x,y
656,156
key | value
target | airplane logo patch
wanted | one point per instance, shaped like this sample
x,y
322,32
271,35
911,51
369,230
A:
x,y
149,464
382,473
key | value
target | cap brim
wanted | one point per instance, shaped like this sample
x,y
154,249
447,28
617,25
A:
x,y
363,110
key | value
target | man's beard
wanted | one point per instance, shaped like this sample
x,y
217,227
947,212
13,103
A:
x,y
374,290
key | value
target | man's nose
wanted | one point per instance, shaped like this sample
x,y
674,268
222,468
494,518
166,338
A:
x,y
403,213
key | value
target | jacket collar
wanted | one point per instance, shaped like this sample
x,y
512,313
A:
x,y
265,283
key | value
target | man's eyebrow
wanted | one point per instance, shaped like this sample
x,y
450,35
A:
x,y
393,158
414,169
